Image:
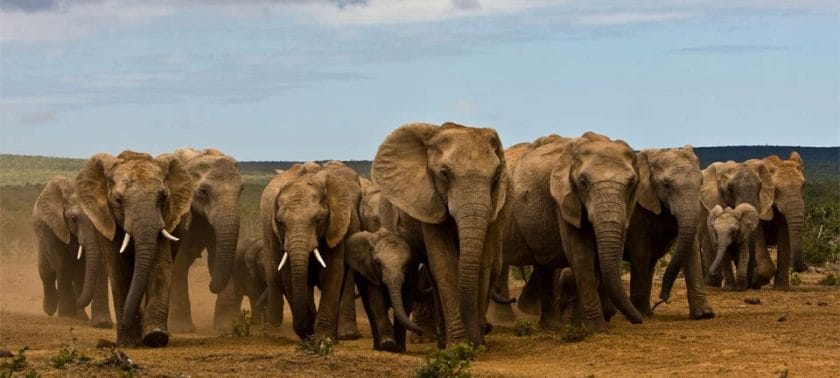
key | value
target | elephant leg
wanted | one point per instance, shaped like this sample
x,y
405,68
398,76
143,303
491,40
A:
x,y
121,270
423,315
502,313
764,266
66,294
550,316
641,281
77,271
228,306
491,265
100,312
376,305
180,316
741,281
707,252
156,311
258,312
579,251
698,304
331,281
48,279
274,307
607,306
443,261
726,270
347,327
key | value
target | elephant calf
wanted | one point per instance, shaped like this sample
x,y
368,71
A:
x,y
385,274
731,230
248,280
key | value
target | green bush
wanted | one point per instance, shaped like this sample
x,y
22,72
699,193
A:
x,y
453,361
574,333
66,355
830,279
795,279
17,363
241,325
316,346
524,327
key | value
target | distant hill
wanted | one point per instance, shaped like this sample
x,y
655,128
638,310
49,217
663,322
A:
x,y
819,155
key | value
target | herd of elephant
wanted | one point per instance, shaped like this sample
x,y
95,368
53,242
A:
x,y
429,240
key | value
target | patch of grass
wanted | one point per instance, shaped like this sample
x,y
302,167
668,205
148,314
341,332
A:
x,y
316,346
830,279
795,279
68,354
17,363
524,327
241,325
574,333
453,361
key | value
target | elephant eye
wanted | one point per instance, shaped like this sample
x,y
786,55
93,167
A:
x,y
445,174
631,181
118,199
203,190
162,195
583,182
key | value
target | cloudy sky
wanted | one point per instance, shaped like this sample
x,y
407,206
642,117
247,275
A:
x,y
305,80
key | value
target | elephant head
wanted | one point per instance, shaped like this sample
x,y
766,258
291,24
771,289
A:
x,y
730,184
144,199
217,186
597,181
58,208
728,227
369,206
789,179
669,181
303,208
382,257
435,172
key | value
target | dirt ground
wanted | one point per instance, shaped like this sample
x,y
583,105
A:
x,y
795,333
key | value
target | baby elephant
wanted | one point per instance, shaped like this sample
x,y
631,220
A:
x,y
731,230
385,275
248,280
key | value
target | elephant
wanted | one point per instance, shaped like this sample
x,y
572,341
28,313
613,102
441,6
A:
x,y
137,201
786,228
369,207
248,280
65,235
572,202
386,274
307,213
730,184
449,185
730,231
212,224
666,213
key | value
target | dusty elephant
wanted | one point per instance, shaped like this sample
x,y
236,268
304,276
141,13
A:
x,y
69,255
786,228
730,184
307,213
572,202
135,202
369,206
386,274
666,214
248,280
212,224
451,181
731,231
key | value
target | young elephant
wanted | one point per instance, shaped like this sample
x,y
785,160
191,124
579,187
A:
x,y
308,212
386,276
65,235
248,280
731,230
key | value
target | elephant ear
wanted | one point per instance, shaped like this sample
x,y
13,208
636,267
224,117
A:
x,y
794,156
340,203
768,189
563,191
400,170
710,223
748,219
645,192
268,203
360,256
709,193
50,206
179,181
500,189
92,182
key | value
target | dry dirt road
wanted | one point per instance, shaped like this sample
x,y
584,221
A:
x,y
795,333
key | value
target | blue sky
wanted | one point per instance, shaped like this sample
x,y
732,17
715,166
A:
x,y
307,80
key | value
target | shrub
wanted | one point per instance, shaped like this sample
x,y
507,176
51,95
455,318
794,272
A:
x,y
68,354
17,363
453,361
316,346
241,325
830,279
795,279
573,333
524,327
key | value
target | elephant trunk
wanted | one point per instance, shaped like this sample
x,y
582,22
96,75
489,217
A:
x,y
686,235
93,260
609,216
302,320
145,248
395,291
723,244
226,230
472,221
794,212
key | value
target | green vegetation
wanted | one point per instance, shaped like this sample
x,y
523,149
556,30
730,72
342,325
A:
x,y
68,354
17,363
830,279
524,327
241,325
453,361
316,346
573,333
795,279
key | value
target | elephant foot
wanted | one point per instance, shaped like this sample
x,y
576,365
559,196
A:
x,y
388,345
427,337
701,313
352,334
779,286
595,325
182,327
156,338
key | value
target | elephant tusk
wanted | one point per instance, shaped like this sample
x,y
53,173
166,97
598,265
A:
x,y
79,254
320,259
125,242
282,261
420,267
167,235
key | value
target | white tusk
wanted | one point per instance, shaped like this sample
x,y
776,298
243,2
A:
x,y
420,267
283,261
125,242
167,235
79,254
320,259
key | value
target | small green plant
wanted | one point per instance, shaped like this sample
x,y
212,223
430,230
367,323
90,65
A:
x,y
241,325
17,363
316,346
795,279
524,327
573,333
453,361
68,354
830,279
